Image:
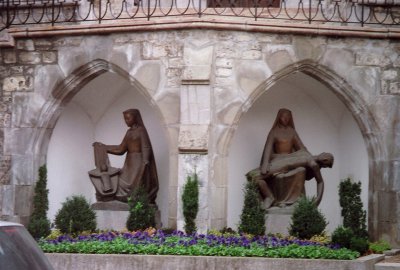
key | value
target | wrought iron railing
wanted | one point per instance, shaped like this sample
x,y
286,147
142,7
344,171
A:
x,y
15,13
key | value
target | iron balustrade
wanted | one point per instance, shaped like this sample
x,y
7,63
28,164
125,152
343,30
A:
x,y
14,13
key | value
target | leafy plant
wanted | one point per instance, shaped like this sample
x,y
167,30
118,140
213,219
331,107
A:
x,y
342,236
354,217
379,246
307,220
179,243
75,216
359,244
141,213
190,203
252,219
39,225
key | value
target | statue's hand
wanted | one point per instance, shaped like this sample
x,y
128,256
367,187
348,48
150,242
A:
x,y
265,169
145,162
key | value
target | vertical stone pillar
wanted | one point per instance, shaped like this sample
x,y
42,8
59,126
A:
x,y
194,129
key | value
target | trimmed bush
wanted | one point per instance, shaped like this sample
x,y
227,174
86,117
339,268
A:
x,y
252,219
190,203
359,244
75,216
354,217
342,236
39,225
307,220
141,213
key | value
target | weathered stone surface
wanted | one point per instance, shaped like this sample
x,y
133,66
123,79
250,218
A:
x,y
251,74
149,75
195,104
365,81
29,57
9,57
394,88
167,103
49,57
22,171
153,262
223,72
25,44
309,48
5,169
7,197
17,83
193,138
278,57
371,59
252,55
23,207
339,60
390,74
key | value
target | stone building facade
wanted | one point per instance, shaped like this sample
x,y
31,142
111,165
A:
x,y
199,78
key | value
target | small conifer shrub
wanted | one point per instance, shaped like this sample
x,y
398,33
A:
x,y
342,236
75,216
39,225
141,213
354,217
252,219
190,203
307,220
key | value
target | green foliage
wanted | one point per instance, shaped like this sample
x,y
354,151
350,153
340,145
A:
x,y
359,244
190,203
141,213
354,216
75,216
171,246
307,220
252,219
379,246
39,225
342,236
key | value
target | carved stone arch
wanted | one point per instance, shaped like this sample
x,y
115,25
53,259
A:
x,y
67,88
353,102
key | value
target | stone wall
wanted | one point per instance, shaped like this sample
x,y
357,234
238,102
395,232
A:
x,y
200,82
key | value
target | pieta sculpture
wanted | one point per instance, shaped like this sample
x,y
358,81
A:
x,y
286,164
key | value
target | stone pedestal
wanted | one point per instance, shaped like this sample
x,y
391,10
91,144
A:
x,y
113,215
278,220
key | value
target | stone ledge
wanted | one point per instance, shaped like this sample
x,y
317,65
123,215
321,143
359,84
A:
x,y
149,262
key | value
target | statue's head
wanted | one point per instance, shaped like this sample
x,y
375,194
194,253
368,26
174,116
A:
x,y
325,160
131,117
284,118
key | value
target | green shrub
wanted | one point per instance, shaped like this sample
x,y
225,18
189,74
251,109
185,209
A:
x,y
39,225
354,217
307,220
379,246
75,216
342,236
141,213
359,244
190,203
252,219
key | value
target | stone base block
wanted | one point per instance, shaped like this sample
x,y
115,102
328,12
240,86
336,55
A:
x,y
111,220
278,220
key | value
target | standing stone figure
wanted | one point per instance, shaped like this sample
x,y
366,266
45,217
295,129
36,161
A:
x,y
139,167
286,164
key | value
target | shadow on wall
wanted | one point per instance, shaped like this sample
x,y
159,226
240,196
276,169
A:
x,y
95,114
323,123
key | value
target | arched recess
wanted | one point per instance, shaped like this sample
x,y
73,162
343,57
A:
x,y
338,89
70,122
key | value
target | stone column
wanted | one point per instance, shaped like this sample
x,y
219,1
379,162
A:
x,y
194,129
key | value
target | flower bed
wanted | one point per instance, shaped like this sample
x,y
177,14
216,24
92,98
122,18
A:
x,y
178,243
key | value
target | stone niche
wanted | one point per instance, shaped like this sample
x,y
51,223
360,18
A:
x,y
323,123
95,114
